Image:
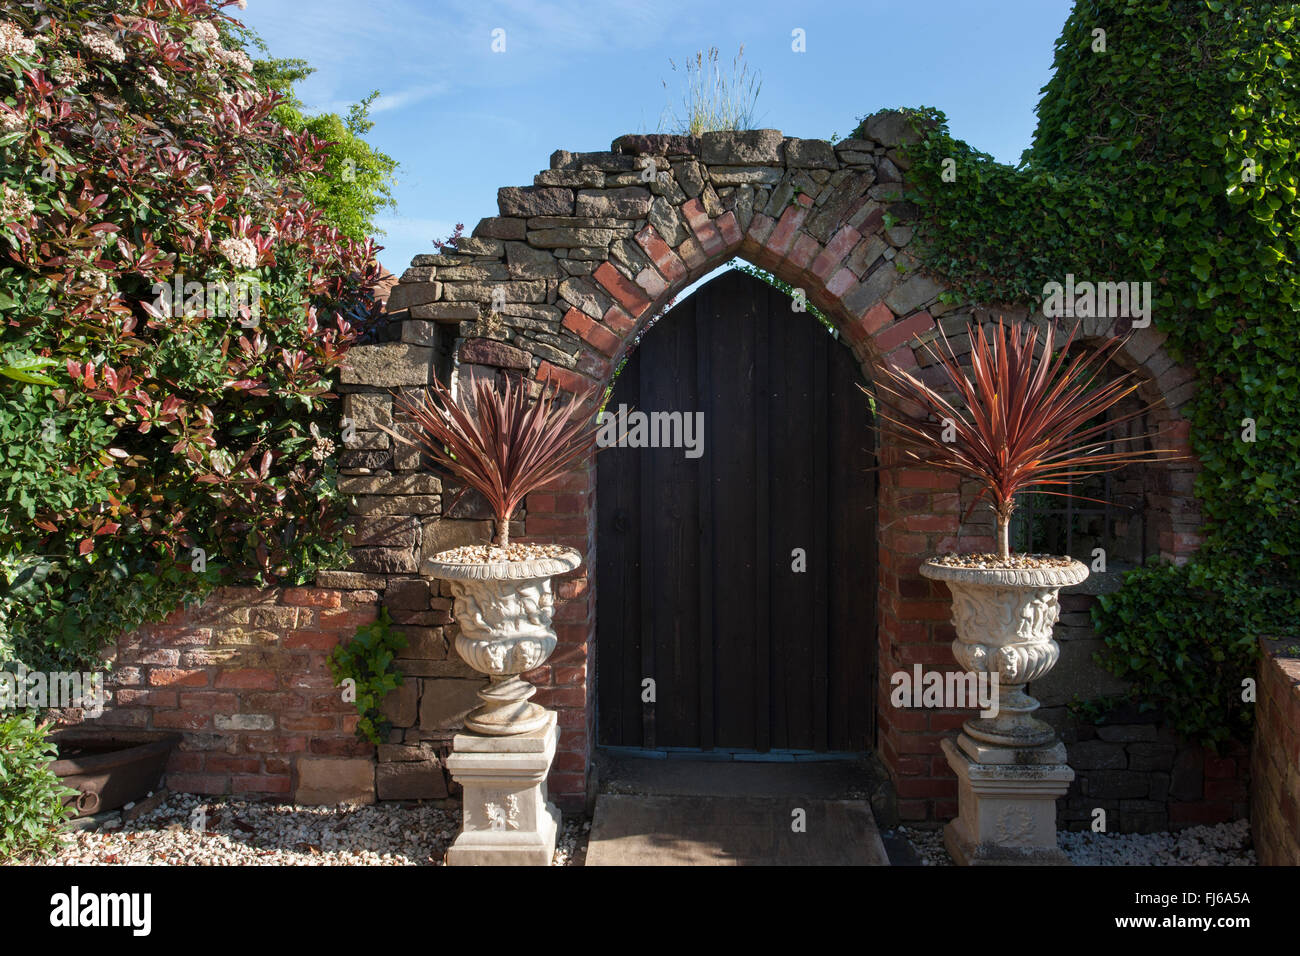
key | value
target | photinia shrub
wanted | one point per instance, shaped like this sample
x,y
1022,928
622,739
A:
x,y
173,308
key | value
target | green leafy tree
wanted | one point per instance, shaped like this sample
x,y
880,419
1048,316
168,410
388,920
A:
x,y
356,183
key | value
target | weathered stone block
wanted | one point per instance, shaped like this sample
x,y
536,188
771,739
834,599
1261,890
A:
x,y
350,580
525,201
745,175
368,411
1114,784
367,460
890,128
444,533
525,262
667,222
384,560
1151,756
444,702
408,294
631,202
330,781
513,291
243,722
810,154
399,707
755,147
476,272
422,644
419,332
386,531
369,441
493,353
912,294
592,178
410,780
398,753
446,312
1098,755
478,247
388,365
396,505
497,227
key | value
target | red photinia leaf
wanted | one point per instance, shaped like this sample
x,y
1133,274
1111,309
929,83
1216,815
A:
x,y
87,545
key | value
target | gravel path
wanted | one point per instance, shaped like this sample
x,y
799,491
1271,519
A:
x,y
187,830
1226,844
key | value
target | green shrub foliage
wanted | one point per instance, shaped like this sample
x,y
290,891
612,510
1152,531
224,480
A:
x,y
1166,151
175,306
31,796
369,660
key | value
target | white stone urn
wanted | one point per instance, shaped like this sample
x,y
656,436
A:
x,y
1004,620
504,610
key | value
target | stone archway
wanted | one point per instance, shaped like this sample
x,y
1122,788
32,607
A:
x,y
562,281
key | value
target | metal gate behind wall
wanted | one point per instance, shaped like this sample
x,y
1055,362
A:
x,y
697,557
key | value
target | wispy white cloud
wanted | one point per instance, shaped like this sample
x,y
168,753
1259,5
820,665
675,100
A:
x,y
388,102
407,229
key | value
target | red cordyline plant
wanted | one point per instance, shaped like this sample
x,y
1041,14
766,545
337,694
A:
x,y
1022,417
499,441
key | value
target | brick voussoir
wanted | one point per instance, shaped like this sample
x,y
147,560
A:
x,y
895,335
563,378
661,254
783,236
841,245
729,227
626,292
618,320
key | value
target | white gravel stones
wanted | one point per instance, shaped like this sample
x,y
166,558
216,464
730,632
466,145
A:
x,y
1014,562
928,845
491,554
234,832
1226,844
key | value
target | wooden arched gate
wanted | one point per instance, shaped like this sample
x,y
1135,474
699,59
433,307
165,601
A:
x,y
739,577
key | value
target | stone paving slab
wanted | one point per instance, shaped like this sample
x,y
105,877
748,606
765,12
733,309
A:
x,y
684,830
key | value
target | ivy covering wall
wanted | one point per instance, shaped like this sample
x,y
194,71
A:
x,y
1166,150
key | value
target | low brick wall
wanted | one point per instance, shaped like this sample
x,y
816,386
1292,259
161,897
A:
x,y
1275,790
245,679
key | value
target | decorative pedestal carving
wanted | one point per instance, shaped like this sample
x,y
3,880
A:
x,y
1006,810
1010,768
508,820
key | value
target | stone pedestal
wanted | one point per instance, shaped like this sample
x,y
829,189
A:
x,y
507,819
1007,803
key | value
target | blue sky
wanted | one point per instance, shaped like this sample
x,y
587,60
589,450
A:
x,y
463,120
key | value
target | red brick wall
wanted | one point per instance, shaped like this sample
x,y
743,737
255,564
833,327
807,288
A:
x,y
565,513
244,677
1275,788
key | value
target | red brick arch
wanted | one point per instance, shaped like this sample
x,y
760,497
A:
x,y
563,281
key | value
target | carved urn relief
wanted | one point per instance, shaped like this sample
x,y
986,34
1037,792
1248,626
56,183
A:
x,y
504,611
1004,620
